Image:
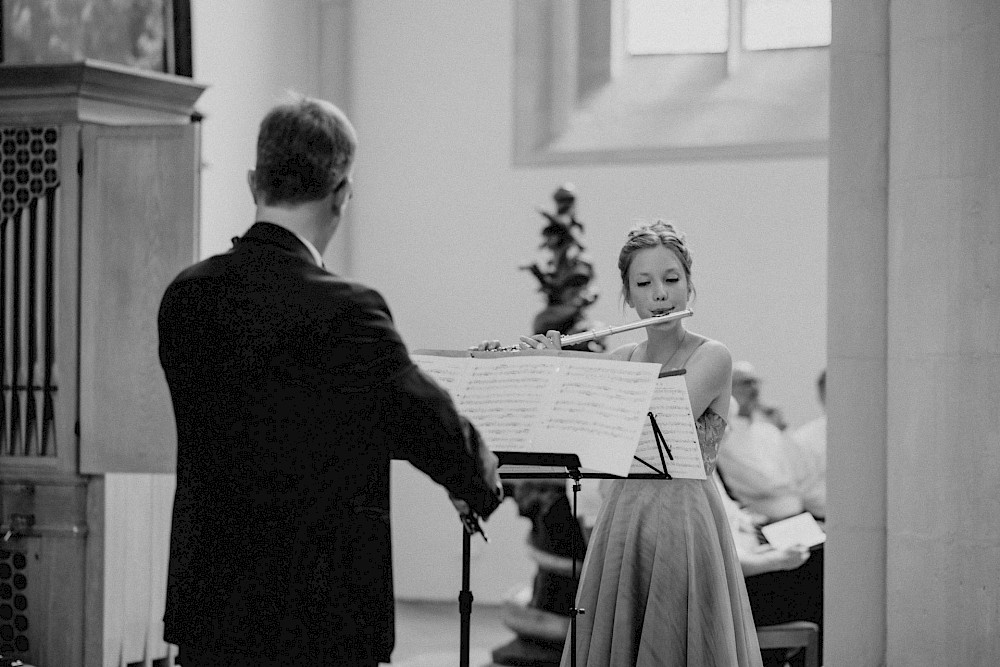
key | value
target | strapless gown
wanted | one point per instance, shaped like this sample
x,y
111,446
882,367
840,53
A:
x,y
661,584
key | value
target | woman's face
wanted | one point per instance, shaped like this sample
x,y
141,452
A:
x,y
657,283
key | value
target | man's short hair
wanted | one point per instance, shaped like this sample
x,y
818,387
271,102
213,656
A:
x,y
304,149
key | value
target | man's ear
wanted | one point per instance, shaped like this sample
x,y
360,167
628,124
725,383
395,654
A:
x,y
252,182
341,194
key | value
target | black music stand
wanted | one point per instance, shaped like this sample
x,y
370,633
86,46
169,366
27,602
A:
x,y
530,464
465,601
570,464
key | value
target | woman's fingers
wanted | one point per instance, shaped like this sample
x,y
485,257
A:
x,y
554,339
529,343
536,342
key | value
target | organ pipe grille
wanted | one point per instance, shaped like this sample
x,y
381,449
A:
x,y
29,181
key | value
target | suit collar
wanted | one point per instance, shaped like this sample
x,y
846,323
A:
x,y
286,239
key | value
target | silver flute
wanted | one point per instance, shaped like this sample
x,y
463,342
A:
x,y
585,336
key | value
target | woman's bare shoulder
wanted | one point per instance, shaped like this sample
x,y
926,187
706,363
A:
x,y
624,352
714,352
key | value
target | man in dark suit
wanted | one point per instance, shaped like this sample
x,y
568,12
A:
x,y
292,391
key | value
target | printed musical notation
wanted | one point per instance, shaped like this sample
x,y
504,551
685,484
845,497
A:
x,y
672,410
594,408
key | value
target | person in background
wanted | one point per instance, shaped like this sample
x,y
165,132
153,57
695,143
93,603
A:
x,y
810,439
783,584
292,391
758,462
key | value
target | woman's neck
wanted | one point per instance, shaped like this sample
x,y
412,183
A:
x,y
662,345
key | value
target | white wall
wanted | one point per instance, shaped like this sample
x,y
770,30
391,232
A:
x,y
440,220
250,52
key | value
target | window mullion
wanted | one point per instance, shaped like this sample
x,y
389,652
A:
x,y
734,47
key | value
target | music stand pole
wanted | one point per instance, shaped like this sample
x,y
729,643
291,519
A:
x,y
575,611
465,601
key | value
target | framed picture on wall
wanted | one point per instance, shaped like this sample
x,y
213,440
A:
x,y
148,34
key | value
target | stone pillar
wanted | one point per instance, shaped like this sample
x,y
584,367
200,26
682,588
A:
x,y
854,594
914,334
943,490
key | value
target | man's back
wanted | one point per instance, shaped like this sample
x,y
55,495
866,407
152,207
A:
x,y
292,391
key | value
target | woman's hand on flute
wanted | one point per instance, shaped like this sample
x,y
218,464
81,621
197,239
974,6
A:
x,y
551,340
547,341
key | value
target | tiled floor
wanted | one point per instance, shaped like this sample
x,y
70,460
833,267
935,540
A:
x,y
428,634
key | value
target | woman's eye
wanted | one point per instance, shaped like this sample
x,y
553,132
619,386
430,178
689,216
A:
x,y
673,280
642,284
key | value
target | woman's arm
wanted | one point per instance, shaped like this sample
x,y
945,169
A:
x,y
709,378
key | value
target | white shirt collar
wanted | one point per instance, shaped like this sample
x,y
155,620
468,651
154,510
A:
x,y
312,249
318,258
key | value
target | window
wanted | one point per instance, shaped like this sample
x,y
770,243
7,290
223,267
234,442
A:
x,y
672,27
653,80
786,24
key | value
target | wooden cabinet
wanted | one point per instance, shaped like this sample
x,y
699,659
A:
x,y
99,172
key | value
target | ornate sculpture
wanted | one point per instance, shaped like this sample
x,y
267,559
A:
x,y
540,614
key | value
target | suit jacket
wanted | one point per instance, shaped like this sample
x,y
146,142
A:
x,y
292,391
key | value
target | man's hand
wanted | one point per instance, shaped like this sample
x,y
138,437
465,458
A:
x,y
461,506
490,464
788,558
469,519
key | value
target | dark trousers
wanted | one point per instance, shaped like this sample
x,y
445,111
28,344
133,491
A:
x,y
189,656
791,595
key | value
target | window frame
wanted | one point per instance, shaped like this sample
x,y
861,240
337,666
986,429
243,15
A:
x,y
554,75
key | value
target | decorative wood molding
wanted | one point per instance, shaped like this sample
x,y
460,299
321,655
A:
x,y
93,91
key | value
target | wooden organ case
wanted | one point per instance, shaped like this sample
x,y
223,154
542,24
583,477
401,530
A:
x,y
99,171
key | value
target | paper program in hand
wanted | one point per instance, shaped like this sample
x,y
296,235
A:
x,y
800,529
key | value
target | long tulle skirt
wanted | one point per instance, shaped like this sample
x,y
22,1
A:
x,y
661,584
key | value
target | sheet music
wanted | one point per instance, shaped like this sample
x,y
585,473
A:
x,y
593,408
672,409
505,398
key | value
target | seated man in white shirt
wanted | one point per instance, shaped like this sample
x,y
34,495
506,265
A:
x,y
810,439
757,461
783,584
